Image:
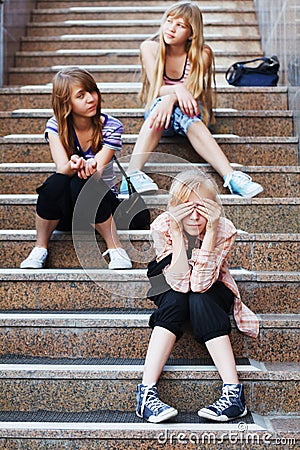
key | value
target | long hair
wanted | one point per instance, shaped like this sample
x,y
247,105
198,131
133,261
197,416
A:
x,y
188,181
61,104
197,82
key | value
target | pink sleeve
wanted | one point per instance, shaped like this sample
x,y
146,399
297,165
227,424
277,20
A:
x,y
207,265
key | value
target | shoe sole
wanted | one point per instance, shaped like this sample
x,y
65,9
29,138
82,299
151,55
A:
x,y
161,418
221,418
146,191
31,266
251,194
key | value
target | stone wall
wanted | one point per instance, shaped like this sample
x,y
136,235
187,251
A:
x,y
279,25
15,15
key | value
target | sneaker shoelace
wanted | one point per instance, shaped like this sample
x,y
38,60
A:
x,y
226,400
243,178
152,399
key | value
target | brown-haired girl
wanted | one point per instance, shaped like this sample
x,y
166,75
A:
x,y
82,142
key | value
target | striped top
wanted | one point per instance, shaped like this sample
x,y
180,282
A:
x,y
205,267
171,81
112,138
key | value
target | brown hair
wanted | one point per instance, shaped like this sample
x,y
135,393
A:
x,y
61,95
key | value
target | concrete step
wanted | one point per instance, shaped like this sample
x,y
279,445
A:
x,y
126,94
211,14
103,290
278,181
110,385
105,431
102,335
112,73
114,56
116,41
229,121
257,215
254,252
266,151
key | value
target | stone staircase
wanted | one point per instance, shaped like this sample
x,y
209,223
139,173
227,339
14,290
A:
x,y
73,336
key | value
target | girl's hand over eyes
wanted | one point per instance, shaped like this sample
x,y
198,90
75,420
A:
x,y
212,211
177,213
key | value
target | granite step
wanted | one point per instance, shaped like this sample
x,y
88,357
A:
x,y
229,121
116,41
211,14
87,290
113,56
249,150
233,4
111,386
256,215
76,22
278,181
126,94
124,27
254,252
280,431
102,335
104,73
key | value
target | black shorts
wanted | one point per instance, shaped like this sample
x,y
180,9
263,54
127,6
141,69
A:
x,y
58,196
207,311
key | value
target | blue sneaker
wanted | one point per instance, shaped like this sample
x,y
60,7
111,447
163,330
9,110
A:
x,y
141,182
231,404
150,407
241,184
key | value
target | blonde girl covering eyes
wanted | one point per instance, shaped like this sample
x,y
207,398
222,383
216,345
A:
x,y
202,73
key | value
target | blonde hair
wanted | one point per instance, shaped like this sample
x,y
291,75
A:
x,y
198,83
189,181
61,104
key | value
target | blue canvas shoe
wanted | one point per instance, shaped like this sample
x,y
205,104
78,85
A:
x,y
141,183
150,407
231,405
240,183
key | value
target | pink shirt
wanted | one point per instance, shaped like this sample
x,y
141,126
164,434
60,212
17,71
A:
x,y
205,268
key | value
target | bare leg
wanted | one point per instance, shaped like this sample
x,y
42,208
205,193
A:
x,y
159,349
109,233
220,350
147,140
44,229
206,146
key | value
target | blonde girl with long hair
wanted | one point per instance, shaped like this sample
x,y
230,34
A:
x,y
190,280
82,143
178,93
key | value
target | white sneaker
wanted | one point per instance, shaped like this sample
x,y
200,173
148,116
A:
x,y
118,258
142,183
36,259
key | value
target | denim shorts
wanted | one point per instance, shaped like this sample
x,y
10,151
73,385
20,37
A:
x,y
179,123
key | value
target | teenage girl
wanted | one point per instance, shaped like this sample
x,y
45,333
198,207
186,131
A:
x,y
178,72
82,142
190,279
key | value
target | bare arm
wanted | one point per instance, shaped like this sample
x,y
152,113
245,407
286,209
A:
x,y
60,157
